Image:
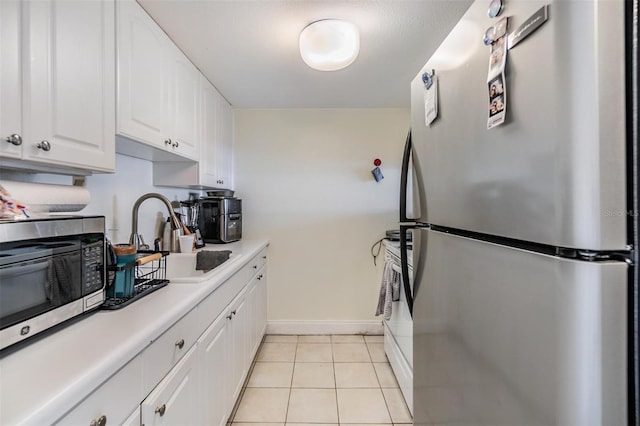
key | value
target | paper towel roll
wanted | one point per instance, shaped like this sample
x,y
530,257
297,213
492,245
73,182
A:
x,y
45,197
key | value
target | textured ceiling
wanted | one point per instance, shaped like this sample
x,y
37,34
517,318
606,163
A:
x,y
249,49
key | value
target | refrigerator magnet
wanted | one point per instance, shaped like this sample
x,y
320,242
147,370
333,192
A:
x,y
495,8
430,81
497,90
497,101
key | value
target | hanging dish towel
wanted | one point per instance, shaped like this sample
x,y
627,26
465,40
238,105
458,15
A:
x,y
389,289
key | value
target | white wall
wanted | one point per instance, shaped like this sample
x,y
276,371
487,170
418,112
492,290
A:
x,y
113,196
305,179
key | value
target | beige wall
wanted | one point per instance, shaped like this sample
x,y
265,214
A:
x,y
305,179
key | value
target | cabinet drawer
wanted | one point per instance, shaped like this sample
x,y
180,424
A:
x,y
167,350
175,400
213,305
114,400
256,264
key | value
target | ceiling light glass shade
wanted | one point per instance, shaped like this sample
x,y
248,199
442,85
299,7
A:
x,y
329,44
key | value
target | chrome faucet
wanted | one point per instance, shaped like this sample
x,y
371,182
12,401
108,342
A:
x,y
176,227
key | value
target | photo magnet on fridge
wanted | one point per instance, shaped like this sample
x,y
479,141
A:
x,y
377,174
496,82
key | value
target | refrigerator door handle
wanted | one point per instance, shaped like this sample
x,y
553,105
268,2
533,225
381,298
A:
x,y
404,176
404,261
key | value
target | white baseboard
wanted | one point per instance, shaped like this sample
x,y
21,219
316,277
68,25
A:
x,y
372,327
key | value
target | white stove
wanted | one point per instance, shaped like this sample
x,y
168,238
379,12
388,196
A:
x,y
398,330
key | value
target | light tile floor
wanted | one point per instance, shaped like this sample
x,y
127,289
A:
x,y
325,380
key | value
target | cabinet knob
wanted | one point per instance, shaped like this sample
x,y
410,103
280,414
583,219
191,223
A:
x,y
233,312
100,421
180,343
167,141
161,409
229,316
44,145
175,144
264,257
14,139
260,276
255,266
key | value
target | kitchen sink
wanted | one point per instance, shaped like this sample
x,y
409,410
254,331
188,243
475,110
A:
x,y
181,268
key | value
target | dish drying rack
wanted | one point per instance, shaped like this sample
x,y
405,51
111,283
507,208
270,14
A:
x,y
140,277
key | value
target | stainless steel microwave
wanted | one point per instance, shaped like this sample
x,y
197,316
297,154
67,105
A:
x,y
51,270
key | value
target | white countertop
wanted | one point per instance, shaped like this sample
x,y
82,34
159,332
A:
x,y
43,379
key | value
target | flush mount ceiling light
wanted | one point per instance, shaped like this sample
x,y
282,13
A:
x,y
329,44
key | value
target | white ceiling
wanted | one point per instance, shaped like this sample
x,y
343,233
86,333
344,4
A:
x,y
249,48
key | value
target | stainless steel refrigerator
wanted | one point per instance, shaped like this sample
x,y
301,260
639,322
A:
x,y
525,234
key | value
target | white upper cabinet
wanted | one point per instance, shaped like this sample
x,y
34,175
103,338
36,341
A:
x,y
67,87
215,152
158,89
10,79
217,139
224,143
185,104
143,77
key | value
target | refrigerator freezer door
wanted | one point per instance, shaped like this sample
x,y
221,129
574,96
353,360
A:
x,y
509,337
554,172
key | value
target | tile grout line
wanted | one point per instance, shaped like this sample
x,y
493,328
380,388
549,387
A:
x,y
295,356
335,379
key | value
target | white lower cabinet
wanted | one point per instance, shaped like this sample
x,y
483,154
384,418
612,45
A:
x,y
239,361
113,401
213,348
193,373
175,400
133,419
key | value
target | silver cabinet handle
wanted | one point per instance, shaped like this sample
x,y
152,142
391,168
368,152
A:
x,y
161,409
14,139
180,343
44,145
167,141
100,421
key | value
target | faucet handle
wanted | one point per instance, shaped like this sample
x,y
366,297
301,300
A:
x,y
141,243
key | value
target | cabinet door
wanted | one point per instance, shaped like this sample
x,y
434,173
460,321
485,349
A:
x,y
184,106
70,82
224,143
209,173
143,76
238,345
134,419
260,320
10,79
214,392
174,401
